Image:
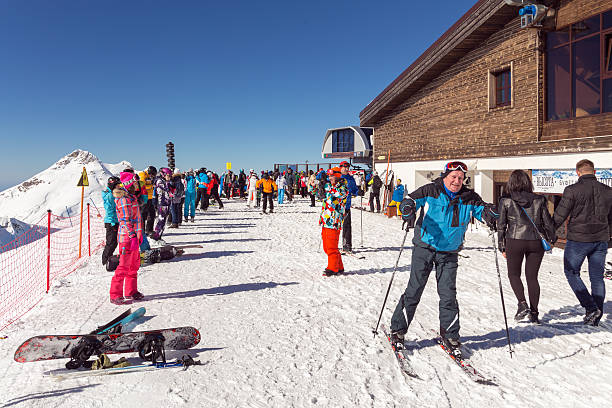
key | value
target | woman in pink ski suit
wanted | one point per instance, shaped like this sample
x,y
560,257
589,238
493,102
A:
x,y
129,237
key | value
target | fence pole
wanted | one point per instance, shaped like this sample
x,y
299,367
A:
x,y
48,249
88,232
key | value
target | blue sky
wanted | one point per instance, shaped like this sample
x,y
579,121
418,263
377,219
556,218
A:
x,y
253,83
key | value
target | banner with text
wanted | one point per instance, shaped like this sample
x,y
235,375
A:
x,y
555,181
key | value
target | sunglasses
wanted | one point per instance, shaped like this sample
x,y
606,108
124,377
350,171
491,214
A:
x,y
456,165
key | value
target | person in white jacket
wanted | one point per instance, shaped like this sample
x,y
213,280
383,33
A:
x,y
251,188
281,183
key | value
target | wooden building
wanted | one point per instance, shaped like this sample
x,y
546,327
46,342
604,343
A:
x,y
501,97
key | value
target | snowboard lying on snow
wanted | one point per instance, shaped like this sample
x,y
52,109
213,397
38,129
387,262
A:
x,y
49,347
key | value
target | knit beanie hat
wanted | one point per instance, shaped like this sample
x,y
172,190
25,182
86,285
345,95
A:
x,y
126,178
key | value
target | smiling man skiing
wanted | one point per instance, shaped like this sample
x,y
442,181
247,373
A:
x,y
446,209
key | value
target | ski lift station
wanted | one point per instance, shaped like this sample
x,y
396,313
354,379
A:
x,y
350,143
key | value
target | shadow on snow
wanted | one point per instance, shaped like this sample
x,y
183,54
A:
x,y
221,290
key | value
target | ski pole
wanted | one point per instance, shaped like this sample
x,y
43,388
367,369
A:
x,y
501,293
375,331
361,216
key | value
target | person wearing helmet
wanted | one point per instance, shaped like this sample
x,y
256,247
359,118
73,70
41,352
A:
x,y
111,222
124,285
148,209
334,194
190,196
164,200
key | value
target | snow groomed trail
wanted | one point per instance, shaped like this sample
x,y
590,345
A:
x,y
275,333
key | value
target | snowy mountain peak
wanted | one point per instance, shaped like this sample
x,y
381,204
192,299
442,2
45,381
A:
x,y
78,156
56,188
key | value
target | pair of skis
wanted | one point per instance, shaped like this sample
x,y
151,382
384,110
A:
x,y
403,358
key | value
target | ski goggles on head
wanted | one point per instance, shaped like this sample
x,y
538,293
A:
x,y
456,165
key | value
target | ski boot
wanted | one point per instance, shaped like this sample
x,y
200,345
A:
x,y
453,346
397,341
523,310
186,219
192,219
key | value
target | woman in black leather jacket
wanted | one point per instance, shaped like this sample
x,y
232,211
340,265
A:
x,y
519,240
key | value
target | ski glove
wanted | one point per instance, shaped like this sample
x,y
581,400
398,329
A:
x,y
408,209
489,216
134,245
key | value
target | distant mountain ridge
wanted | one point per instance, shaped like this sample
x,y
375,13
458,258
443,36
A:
x,y
56,188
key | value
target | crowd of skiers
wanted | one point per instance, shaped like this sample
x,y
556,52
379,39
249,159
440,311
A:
x,y
138,205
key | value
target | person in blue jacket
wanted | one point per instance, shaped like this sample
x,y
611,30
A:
x,y
398,196
190,196
111,222
347,238
447,207
202,193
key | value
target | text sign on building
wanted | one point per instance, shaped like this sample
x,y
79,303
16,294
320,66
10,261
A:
x,y
555,181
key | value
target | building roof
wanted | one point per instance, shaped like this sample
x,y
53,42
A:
x,y
483,19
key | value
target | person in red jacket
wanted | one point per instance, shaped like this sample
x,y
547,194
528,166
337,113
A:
x,y
214,193
124,286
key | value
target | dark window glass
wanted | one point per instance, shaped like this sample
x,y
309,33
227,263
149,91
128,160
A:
x,y
556,38
343,140
558,84
607,20
586,27
607,95
608,53
503,88
586,77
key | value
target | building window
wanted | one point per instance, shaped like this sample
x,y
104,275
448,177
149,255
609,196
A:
x,y
503,88
500,87
343,140
579,69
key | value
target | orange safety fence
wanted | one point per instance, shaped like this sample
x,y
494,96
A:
x,y
49,250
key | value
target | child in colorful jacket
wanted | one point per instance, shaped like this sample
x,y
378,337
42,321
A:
x,y
130,237
332,216
164,196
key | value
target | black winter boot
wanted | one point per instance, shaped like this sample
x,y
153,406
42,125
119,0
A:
x,y
533,318
523,310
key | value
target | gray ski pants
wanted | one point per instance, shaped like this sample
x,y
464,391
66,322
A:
x,y
423,261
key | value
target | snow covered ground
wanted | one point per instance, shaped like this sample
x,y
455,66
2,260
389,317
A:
x,y
275,333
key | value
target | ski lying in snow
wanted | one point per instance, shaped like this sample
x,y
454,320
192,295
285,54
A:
x,y
60,375
61,346
465,366
113,323
116,325
401,356
351,253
